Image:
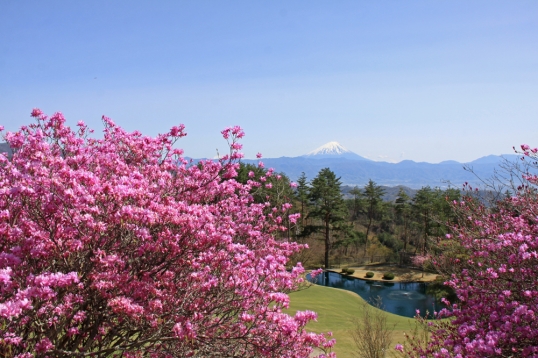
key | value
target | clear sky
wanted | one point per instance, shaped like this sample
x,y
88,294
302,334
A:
x,y
389,80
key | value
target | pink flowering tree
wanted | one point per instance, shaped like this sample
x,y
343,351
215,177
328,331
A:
x,y
497,282
120,247
421,261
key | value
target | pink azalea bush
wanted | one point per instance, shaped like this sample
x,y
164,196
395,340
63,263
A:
x,y
120,247
420,260
497,286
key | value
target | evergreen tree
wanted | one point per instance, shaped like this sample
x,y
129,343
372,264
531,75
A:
x,y
403,210
423,206
327,205
302,195
373,194
357,203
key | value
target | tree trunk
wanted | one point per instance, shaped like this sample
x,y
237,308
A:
x,y
327,243
367,233
426,228
405,236
303,219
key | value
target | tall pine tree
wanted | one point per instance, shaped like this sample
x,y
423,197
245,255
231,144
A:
x,y
327,205
373,196
402,206
302,195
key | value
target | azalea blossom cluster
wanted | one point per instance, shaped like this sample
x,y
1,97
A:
x,y
497,312
420,260
120,247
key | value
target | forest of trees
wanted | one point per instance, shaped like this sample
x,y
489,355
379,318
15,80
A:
x,y
361,229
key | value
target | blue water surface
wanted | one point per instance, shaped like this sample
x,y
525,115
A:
x,y
401,298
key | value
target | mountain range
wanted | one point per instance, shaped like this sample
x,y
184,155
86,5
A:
x,y
4,148
354,169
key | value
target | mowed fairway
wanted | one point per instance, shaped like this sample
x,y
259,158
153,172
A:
x,y
336,309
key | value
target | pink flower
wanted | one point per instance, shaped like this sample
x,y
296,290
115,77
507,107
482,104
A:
x,y
399,348
72,331
36,112
226,132
305,316
258,155
315,273
44,346
5,276
177,131
294,217
238,132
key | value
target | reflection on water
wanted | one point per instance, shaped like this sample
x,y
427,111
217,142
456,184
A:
x,y
406,295
401,298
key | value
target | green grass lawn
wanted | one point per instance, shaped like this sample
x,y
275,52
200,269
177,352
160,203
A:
x,y
336,309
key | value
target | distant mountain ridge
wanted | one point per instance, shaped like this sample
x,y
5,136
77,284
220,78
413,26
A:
x,y
408,173
4,148
356,170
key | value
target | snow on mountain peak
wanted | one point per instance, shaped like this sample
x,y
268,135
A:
x,y
331,148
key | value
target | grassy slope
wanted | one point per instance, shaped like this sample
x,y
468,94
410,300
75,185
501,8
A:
x,y
335,309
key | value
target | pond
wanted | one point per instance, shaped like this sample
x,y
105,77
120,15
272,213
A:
x,y
401,298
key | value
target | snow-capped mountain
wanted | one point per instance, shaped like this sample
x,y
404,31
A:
x,y
333,150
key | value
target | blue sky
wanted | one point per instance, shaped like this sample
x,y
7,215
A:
x,y
390,80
